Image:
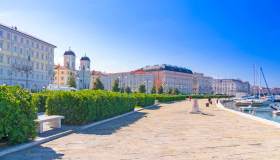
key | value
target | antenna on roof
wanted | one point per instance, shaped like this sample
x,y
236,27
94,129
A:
x,y
69,48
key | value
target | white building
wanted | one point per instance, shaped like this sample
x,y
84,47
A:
x,y
25,60
202,84
231,87
126,79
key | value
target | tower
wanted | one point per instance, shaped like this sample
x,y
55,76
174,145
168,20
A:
x,y
69,59
84,73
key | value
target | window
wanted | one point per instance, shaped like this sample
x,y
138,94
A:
x,y
15,38
8,36
1,58
1,45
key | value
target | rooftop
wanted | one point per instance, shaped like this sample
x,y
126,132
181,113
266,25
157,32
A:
x,y
15,29
167,68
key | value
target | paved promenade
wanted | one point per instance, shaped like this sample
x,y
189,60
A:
x,y
167,132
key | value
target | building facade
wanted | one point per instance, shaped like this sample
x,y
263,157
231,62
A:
x,y
62,75
231,87
202,84
25,60
170,77
167,76
125,79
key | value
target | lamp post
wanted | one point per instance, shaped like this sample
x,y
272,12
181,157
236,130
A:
x,y
26,68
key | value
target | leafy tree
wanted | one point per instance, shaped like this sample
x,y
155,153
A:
x,y
98,85
142,88
160,90
116,86
170,91
127,90
72,81
154,90
175,91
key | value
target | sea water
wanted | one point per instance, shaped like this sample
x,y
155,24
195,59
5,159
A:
x,y
260,111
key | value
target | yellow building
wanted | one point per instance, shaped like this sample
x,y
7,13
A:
x,y
62,75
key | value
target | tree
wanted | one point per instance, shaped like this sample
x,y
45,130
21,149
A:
x,y
98,85
142,88
170,91
116,86
127,90
122,90
154,90
72,81
175,91
160,90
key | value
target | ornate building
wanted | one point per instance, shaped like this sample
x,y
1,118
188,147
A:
x,y
25,60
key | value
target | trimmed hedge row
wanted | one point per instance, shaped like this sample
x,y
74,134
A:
x,y
17,115
82,107
39,100
169,98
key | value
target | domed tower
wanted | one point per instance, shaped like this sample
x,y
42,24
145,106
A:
x,y
85,63
84,73
69,59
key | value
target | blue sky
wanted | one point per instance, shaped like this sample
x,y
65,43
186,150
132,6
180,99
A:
x,y
223,39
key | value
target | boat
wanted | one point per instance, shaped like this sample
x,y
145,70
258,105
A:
x,y
275,106
277,98
276,112
243,102
260,102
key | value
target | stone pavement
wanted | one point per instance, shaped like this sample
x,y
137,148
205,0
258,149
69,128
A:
x,y
166,132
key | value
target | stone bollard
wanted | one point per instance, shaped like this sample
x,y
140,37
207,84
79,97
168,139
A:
x,y
195,107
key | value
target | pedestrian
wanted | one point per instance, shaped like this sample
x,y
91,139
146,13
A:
x,y
210,100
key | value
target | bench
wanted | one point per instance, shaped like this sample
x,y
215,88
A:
x,y
54,121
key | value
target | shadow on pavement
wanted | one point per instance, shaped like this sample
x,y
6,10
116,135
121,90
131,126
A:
x,y
114,125
35,153
154,107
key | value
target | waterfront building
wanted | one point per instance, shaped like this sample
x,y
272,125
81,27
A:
x,y
167,76
202,84
25,60
126,79
170,77
84,73
62,74
231,87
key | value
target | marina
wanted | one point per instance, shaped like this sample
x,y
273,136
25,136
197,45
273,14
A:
x,y
270,112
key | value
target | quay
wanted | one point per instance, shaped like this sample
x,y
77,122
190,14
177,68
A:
x,y
167,131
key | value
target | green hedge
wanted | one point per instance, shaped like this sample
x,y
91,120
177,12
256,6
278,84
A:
x,y
82,107
17,115
169,98
143,99
39,100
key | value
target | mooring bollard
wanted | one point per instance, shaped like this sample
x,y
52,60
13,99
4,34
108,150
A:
x,y
195,107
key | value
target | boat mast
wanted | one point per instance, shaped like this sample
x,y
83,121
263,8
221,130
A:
x,y
260,84
254,86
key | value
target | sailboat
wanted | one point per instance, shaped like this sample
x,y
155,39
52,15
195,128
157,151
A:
x,y
260,101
